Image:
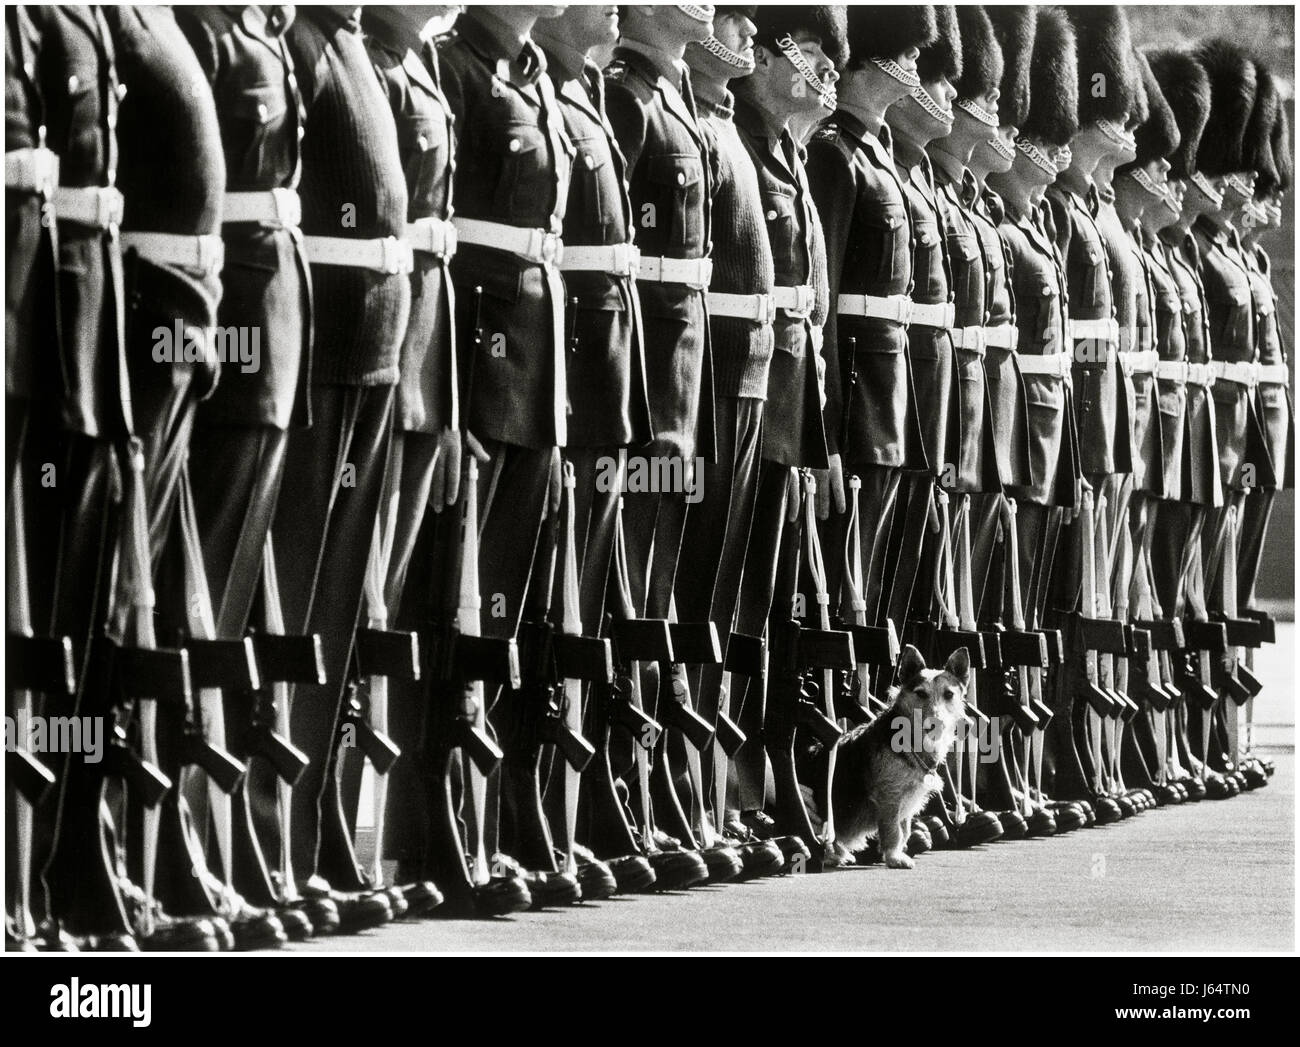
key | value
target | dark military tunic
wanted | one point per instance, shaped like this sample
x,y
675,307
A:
x,y
970,417
513,164
793,432
1273,400
605,365
427,386
1040,295
77,78
930,351
870,419
1171,345
265,283
1200,472
1005,390
29,263
1099,389
169,140
353,187
1232,340
1132,298
653,115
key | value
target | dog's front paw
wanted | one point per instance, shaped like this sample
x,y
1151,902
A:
x,y
899,861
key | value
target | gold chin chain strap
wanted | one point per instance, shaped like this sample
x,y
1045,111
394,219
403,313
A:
x,y
825,91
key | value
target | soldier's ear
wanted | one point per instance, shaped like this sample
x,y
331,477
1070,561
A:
x,y
762,56
910,667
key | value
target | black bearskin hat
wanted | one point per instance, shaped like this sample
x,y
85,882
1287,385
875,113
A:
x,y
1054,81
876,31
1109,81
827,22
1232,98
1186,90
1013,26
942,58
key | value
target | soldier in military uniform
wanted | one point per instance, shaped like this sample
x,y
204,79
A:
x,y
870,415
1005,100
1243,464
423,468
808,43
1140,189
606,396
1271,159
513,164
81,421
354,209
651,106
1176,564
1049,765
241,430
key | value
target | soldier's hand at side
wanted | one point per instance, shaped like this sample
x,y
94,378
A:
x,y
556,485
792,496
445,489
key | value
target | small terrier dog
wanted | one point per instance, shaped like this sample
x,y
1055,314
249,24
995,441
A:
x,y
885,770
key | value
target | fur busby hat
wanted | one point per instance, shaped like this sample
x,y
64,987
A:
x,y
1280,142
1232,98
943,58
981,56
1186,90
877,31
1013,28
1257,145
827,22
1054,81
1157,135
1109,80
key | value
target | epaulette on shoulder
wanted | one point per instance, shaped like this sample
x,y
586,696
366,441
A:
x,y
830,134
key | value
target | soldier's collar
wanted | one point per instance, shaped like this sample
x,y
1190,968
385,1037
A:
x,y
723,108
565,63
909,155
651,62
948,170
750,119
1072,182
500,51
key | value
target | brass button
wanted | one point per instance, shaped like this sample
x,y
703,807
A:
x,y
590,161
262,111
73,83
422,143
771,215
514,145
681,178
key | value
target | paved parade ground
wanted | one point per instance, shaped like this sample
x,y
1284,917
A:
x,y
1212,876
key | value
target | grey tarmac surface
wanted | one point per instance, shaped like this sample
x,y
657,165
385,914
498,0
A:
x,y
1207,876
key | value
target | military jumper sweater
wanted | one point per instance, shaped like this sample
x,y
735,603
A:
x,y
353,186
742,258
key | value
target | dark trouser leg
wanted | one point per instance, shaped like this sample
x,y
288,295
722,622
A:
x,y
235,477
71,541
758,587
713,547
408,480
333,477
1255,516
513,507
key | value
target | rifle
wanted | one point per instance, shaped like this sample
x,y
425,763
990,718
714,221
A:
x,y
578,659
37,664
873,645
794,703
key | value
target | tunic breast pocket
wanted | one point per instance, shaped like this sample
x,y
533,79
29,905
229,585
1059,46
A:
x,y
1233,329
888,244
1096,282
422,141
1042,297
680,180
592,172
967,271
525,186
779,213
253,128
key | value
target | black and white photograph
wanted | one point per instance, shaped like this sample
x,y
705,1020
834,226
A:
x,y
650,479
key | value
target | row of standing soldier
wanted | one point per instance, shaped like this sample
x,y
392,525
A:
x,y
917,333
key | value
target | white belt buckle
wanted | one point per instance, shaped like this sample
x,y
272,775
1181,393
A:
x,y
108,207
974,339
904,306
395,256
632,259
211,254
288,206
543,247
705,268
45,169
768,308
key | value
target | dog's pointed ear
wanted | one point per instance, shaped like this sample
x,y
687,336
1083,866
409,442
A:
x,y
910,667
958,665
